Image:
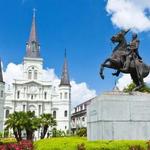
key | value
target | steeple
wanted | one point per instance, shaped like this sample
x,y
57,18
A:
x,y
1,74
65,81
32,46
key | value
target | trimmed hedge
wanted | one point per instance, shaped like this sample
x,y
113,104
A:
x,y
7,140
73,143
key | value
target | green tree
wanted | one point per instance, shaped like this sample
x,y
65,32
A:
x,y
47,120
130,87
23,121
82,132
15,122
31,124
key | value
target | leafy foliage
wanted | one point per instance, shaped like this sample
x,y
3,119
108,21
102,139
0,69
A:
x,y
28,122
46,121
15,122
31,123
131,86
7,140
74,143
82,132
58,133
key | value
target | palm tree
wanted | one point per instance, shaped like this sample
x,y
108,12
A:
x,y
20,121
15,122
31,124
47,121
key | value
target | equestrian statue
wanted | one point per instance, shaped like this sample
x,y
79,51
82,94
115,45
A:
x,y
125,58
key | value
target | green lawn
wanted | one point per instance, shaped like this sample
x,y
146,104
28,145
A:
x,y
70,143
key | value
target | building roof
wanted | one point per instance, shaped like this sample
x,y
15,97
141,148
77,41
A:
x,y
65,81
85,102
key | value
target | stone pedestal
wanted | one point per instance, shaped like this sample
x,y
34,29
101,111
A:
x,y
118,115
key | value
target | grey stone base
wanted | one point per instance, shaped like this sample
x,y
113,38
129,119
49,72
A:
x,y
118,115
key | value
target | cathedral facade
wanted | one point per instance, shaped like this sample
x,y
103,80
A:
x,y
32,93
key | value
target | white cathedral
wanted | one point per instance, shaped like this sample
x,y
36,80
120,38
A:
x,y
33,94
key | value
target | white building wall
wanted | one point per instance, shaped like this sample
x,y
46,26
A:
x,y
29,95
2,97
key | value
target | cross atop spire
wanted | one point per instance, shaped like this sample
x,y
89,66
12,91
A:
x,y
65,81
32,46
34,11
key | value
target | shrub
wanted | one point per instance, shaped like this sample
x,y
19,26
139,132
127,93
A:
x,y
57,133
22,145
7,140
82,132
77,143
130,87
1,134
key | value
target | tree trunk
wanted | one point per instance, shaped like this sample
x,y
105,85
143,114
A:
x,y
29,135
19,134
44,131
16,135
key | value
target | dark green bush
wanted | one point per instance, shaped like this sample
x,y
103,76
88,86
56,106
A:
x,y
82,132
130,87
57,133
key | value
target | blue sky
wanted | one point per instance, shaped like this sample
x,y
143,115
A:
x,y
83,27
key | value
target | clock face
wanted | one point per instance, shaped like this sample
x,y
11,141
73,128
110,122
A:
x,y
33,89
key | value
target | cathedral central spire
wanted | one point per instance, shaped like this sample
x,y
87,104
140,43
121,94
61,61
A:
x,y
33,29
33,47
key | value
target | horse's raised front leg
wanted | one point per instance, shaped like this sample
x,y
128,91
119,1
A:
x,y
102,68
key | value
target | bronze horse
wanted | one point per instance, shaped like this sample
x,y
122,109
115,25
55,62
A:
x,y
137,69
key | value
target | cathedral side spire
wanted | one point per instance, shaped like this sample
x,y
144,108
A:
x,y
65,81
1,74
32,47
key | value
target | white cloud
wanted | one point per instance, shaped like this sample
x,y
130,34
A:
x,y
125,80
80,91
12,72
134,14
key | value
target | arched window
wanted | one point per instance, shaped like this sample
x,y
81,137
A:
x,y
24,108
66,95
45,95
54,114
40,109
2,93
7,113
18,94
39,92
35,74
29,74
32,96
65,113
60,95
24,92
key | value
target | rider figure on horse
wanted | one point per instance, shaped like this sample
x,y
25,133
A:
x,y
133,52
